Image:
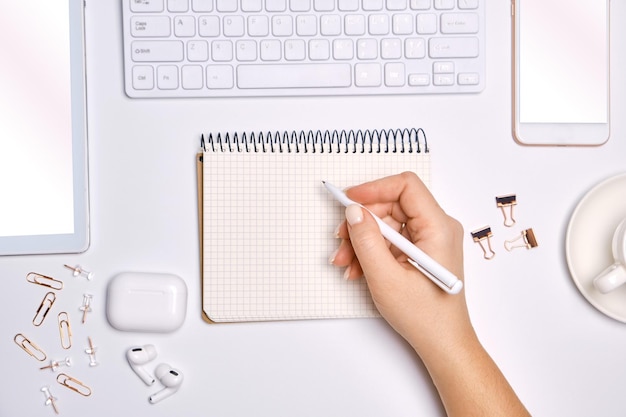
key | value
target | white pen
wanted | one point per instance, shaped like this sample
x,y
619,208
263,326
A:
x,y
443,278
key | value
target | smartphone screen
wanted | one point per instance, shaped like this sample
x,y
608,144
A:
x,y
562,71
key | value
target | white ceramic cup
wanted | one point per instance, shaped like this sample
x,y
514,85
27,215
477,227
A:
x,y
614,275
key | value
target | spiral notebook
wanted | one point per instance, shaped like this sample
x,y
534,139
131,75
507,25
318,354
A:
x,y
268,223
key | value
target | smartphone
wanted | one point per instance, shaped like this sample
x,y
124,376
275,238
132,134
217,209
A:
x,y
561,72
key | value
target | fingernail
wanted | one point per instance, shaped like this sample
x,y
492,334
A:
x,y
346,274
337,229
331,260
354,214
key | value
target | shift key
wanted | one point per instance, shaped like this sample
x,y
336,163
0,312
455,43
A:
x,y
160,51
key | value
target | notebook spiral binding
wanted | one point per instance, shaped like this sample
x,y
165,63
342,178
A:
x,y
361,141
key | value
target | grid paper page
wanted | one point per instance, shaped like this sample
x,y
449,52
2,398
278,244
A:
x,y
269,231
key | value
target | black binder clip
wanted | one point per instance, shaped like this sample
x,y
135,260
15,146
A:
x,y
528,239
481,235
509,201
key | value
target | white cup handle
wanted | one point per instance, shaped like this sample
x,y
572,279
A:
x,y
611,278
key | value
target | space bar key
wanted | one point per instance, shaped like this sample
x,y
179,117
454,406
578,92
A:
x,y
294,75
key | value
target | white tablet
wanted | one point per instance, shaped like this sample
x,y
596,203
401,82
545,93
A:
x,y
44,204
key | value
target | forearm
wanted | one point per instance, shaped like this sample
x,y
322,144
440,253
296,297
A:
x,y
469,382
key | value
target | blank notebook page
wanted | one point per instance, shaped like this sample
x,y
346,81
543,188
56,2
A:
x,y
269,223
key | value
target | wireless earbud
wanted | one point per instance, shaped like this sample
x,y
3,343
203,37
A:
x,y
615,275
139,356
171,378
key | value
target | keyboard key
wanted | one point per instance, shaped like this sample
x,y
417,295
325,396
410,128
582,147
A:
x,y
275,5
348,5
306,25
367,49
469,78
419,80
453,47
324,5
426,23
270,50
251,5
282,25
391,48
319,49
414,48
178,6
295,50
459,23
299,5
293,76
246,51
209,26
192,77
420,4
197,51
150,26
258,25
219,77
367,75
143,77
233,26
396,4
394,74
343,49
402,24
226,6
222,51
146,6
184,26
157,51
167,77
443,79
202,5
468,4
378,24
330,25
354,24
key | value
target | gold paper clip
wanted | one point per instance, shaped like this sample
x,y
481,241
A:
x,y
528,238
29,347
39,279
65,330
74,384
481,235
509,201
44,308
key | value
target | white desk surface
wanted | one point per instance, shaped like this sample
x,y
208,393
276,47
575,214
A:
x,y
562,356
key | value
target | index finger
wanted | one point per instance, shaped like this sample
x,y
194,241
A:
x,y
405,192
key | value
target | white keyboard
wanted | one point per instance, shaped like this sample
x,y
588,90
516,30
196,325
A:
x,y
231,48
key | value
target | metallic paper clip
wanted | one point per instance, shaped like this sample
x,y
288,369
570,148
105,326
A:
x,y
35,278
528,238
78,270
29,347
65,330
481,235
74,384
91,351
509,201
50,400
86,307
54,365
44,308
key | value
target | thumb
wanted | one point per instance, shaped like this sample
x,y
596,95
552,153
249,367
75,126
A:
x,y
368,243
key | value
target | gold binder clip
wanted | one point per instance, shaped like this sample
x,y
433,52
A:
x,y
65,331
44,308
39,279
74,384
29,347
528,238
481,235
509,201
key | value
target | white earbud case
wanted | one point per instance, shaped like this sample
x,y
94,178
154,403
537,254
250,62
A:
x,y
146,302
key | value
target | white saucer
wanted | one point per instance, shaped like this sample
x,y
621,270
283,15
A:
x,y
588,243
